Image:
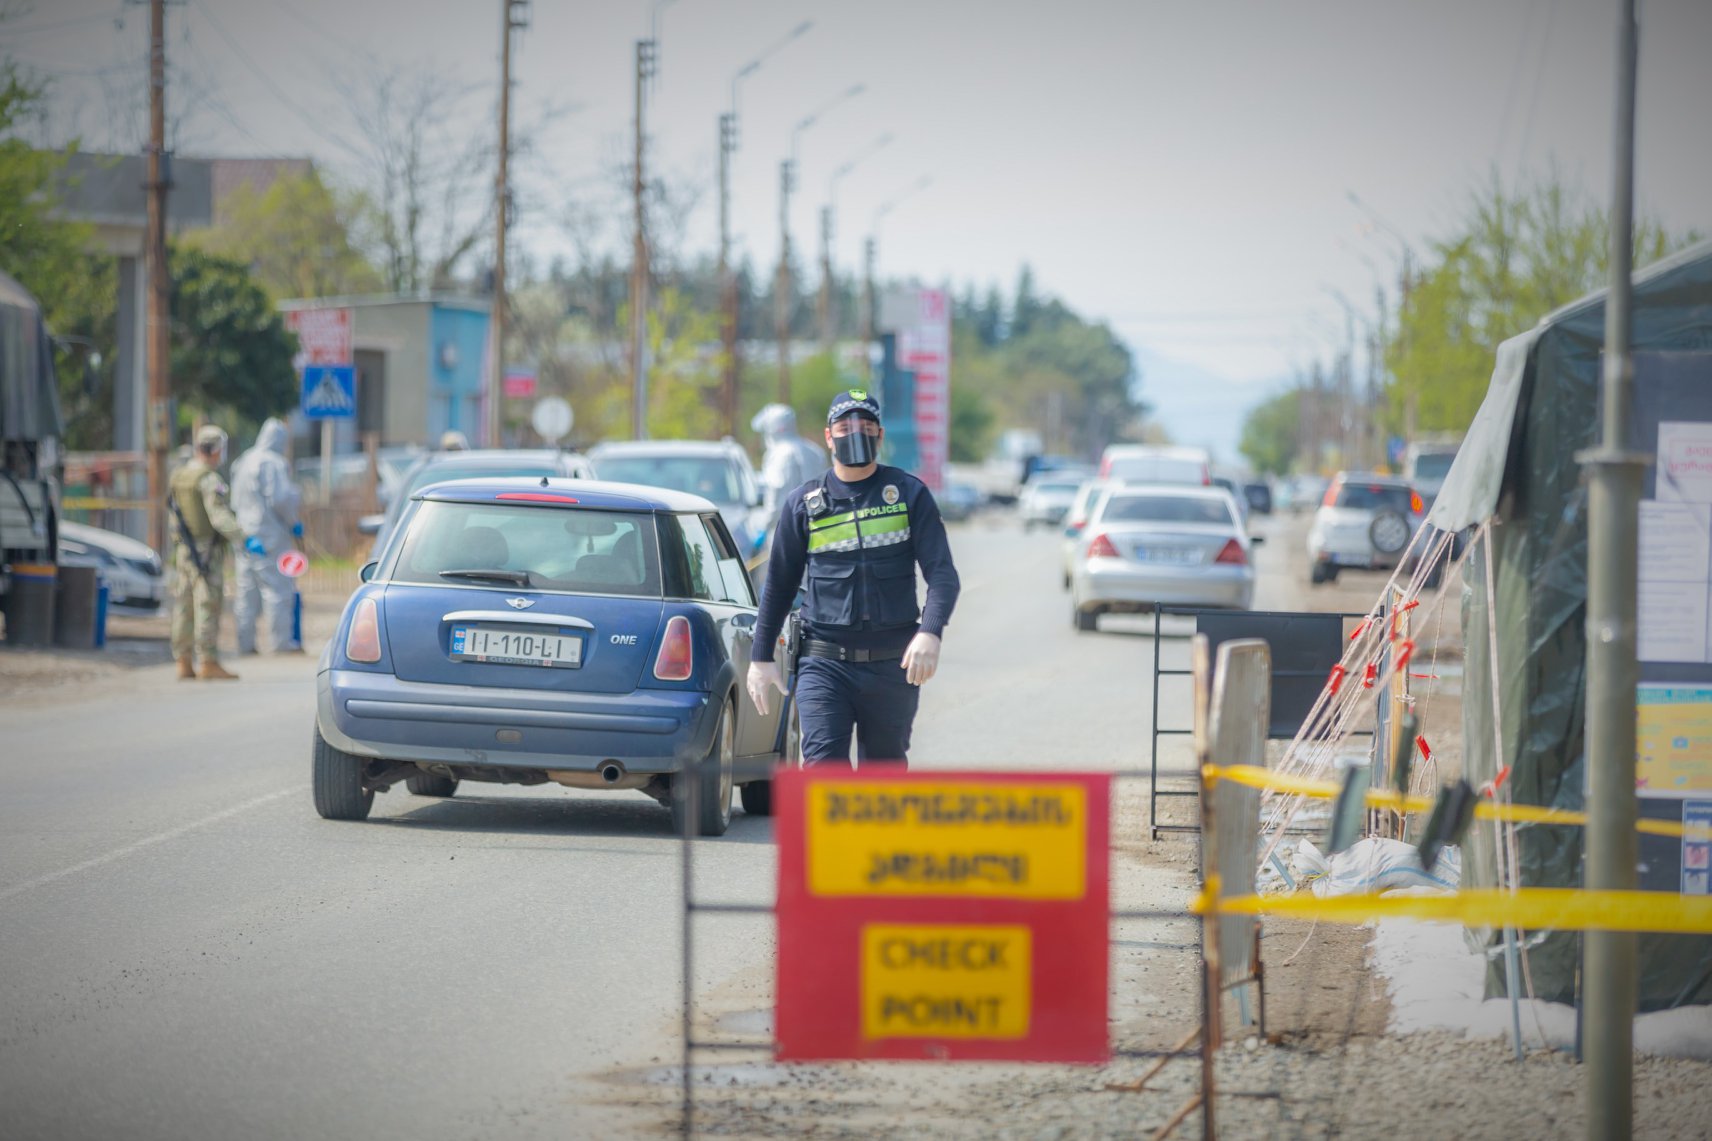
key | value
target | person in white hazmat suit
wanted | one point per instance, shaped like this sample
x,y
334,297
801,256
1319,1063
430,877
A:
x,y
789,461
265,501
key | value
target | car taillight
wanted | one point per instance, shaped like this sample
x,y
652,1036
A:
x,y
1206,478
1105,468
1101,548
1416,504
1232,554
362,644
1077,524
1330,499
677,655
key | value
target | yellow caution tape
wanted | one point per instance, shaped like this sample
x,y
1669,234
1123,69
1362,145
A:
x,y
1253,776
1531,909
96,503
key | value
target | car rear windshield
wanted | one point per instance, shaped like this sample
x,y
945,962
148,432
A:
x,y
711,477
1435,465
1165,509
1374,497
531,547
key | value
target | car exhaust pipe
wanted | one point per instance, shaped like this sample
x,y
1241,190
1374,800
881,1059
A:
x,y
612,772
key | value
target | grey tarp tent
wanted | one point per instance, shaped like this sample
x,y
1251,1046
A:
x,y
29,400
1518,468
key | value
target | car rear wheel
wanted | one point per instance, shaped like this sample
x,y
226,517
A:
x,y
713,783
431,784
338,783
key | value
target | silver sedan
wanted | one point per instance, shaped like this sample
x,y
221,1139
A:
x,y
1147,546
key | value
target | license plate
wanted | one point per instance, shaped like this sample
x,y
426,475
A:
x,y
1169,556
507,646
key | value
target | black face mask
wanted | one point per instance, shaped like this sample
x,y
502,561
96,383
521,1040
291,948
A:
x,y
858,449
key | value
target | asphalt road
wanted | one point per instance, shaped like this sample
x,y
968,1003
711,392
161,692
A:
x,y
188,951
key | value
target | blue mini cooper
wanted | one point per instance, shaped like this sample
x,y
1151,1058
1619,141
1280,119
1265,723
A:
x,y
530,630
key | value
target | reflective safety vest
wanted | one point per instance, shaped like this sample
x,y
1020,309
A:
x,y
861,561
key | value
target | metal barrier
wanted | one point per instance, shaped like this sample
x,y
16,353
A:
x,y
1304,648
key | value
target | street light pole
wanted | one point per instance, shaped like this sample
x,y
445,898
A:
x,y
871,253
728,293
828,329
647,54
509,13
783,287
1613,500
159,329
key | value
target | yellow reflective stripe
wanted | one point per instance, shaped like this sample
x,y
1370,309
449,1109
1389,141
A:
x,y
885,524
845,533
1533,909
1253,776
830,521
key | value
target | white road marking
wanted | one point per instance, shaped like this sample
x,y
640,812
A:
x,y
149,842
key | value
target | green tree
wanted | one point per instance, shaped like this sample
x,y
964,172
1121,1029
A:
x,y
1519,254
231,351
1270,433
296,238
50,257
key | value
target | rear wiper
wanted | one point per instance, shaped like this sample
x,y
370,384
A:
x,y
519,578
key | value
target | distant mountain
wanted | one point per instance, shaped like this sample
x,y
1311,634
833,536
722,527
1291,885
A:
x,y
1196,406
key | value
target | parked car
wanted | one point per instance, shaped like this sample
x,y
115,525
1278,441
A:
x,y
351,472
1076,520
136,581
959,502
1258,495
1302,493
716,470
482,463
1365,522
1425,465
1149,463
1154,545
1230,486
529,630
1046,498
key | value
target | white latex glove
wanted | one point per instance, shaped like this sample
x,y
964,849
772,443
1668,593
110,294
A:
x,y
922,658
762,675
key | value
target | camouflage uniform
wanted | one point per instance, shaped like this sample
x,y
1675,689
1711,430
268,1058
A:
x,y
201,496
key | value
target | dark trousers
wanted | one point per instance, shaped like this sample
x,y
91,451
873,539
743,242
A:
x,y
875,698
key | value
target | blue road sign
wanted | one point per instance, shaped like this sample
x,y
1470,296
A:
x,y
329,391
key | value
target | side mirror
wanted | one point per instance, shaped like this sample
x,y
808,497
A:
x,y
1256,540
368,571
370,524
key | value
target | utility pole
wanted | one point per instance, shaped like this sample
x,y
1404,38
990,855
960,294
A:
x,y
502,208
782,285
823,305
732,367
159,329
1614,491
639,259
869,251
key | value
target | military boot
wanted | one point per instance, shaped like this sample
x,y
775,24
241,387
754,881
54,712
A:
x,y
186,669
213,671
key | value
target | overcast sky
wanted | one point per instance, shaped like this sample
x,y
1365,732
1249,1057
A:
x,y
1180,170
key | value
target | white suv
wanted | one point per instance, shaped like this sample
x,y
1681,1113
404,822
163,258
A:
x,y
1365,522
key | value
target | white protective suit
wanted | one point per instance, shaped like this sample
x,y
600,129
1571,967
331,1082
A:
x,y
789,461
265,501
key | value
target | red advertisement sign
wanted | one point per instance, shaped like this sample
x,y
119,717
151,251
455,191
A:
x,y
942,916
323,336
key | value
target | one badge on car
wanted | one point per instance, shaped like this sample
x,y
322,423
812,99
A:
x,y
520,603
890,494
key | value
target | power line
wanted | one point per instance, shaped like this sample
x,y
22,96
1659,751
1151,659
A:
x,y
314,123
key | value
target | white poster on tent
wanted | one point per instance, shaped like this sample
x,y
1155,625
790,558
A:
x,y
1684,462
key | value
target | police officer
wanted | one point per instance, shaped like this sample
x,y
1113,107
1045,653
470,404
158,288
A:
x,y
857,533
204,526
265,502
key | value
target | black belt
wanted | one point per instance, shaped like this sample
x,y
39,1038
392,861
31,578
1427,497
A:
x,y
814,648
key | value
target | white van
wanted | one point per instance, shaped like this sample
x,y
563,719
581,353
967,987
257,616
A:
x,y
1149,463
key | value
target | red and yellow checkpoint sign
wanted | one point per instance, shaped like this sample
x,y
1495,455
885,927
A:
x,y
942,916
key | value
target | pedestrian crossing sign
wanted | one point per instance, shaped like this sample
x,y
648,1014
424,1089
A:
x,y
329,391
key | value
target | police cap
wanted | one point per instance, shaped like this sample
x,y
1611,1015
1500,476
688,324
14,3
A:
x,y
855,402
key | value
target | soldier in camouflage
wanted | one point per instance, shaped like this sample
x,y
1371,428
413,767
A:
x,y
204,526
